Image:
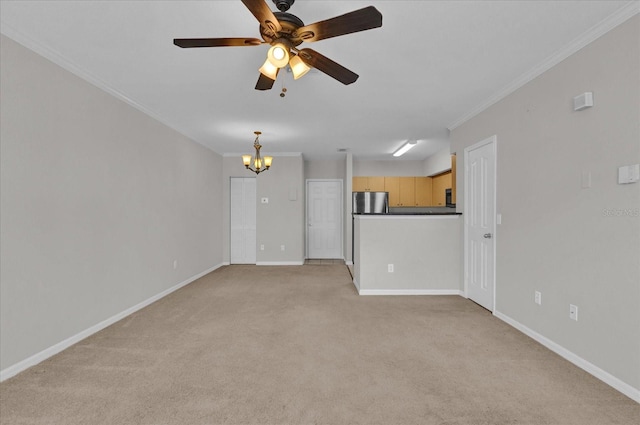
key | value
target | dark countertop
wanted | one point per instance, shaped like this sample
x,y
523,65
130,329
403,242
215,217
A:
x,y
413,213
425,213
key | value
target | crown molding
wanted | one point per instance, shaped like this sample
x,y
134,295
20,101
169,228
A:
x,y
598,30
71,67
274,154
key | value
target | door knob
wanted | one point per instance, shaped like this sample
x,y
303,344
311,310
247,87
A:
x,y
487,235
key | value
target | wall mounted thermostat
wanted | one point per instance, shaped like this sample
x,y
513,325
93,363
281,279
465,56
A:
x,y
583,101
629,174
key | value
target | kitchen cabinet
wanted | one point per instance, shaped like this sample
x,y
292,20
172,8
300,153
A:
x,y
368,184
440,183
453,178
392,185
424,191
407,191
401,191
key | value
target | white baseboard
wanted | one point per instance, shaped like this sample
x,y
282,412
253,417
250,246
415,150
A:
x,y
607,378
280,263
409,292
62,345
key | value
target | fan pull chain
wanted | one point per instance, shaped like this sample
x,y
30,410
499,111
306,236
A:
x,y
284,89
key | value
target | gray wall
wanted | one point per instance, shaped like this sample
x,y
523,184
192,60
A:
x,y
425,254
281,221
97,201
325,169
575,245
437,163
396,167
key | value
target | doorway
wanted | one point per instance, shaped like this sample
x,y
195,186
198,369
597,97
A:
x,y
243,220
324,219
480,222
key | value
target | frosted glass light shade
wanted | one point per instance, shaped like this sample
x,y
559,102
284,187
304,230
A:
x,y
267,161
269,70
278,55
298,67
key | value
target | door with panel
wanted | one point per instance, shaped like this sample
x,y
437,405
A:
x,y
480,223
243,220
324,219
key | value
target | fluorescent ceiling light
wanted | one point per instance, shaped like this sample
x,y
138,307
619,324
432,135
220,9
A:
x,y
404,148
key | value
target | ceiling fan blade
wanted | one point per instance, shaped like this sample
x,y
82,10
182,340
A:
x,y
260,9
358,20
264,82
326,65
215,42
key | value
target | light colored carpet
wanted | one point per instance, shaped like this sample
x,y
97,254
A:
x,y
297,345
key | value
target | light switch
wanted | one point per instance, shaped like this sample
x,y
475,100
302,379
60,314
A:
x,y
629,174
586,179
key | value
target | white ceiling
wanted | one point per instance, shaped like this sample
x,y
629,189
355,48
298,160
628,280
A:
x,y
430,66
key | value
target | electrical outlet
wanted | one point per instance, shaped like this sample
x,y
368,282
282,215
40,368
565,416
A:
x,y
538,298
390,268
261,247
573,312
281,247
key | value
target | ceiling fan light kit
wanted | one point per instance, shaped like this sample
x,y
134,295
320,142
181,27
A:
x,y
278,55
298,67
268,69
284,32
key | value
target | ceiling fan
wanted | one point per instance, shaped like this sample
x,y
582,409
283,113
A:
x,y
285,32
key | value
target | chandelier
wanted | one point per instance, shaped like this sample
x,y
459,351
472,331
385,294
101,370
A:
x,y
259,163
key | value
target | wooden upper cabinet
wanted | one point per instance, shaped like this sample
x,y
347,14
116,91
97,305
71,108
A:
x,y
359,184
367,184
392,185
407,191
440,183
424,190
453,178
376,184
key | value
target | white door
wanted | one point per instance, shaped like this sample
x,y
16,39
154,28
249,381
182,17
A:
x,y
479,212
243,221
324,218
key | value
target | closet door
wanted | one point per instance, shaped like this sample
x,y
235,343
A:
x,y
243,220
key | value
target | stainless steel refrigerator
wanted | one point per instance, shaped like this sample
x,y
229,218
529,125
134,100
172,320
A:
x,y
370,202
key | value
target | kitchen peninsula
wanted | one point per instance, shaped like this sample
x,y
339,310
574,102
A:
x,y
408,253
